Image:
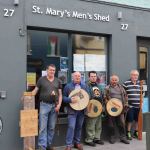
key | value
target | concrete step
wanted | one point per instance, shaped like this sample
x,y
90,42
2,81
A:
x,y
134,145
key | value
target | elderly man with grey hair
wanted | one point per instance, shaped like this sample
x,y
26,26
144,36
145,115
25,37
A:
x,y
132,87
75,117
115,90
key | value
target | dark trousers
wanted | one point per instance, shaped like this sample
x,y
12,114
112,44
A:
x,y
118,122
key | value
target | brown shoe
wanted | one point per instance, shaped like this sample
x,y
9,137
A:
x,y
68,148
78,146
51,148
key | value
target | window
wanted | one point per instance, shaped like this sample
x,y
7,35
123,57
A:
x,y
90,54
45,47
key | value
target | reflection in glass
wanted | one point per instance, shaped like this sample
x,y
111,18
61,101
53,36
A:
x,y
90,54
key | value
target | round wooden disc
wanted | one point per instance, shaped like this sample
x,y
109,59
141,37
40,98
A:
x,y
82,99
94,108
114,107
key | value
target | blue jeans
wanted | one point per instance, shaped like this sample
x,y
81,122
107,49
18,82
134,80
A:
x,y
75,122
47,122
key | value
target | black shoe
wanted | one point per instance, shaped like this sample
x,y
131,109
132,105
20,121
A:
x,y
99,142
112,140
125,141
90,144
135,135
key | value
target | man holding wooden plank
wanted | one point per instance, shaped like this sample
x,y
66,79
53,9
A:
x,y
50,90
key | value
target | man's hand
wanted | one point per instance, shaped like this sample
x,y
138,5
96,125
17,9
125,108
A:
x,y
126,108
57,108
34,92
74,99
106,101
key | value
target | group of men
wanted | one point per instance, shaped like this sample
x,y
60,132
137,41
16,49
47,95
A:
x,y
50,91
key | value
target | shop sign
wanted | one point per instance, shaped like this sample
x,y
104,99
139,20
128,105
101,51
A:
x,y
64,13
70,14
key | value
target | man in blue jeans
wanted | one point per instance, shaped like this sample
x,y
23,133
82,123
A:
x,y
75,117
50,95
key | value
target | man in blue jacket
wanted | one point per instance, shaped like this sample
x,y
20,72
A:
x,y
75,117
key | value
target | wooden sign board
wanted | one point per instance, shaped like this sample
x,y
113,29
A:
x,y
28,101
28,123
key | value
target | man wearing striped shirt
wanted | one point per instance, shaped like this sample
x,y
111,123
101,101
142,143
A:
x,y
132,87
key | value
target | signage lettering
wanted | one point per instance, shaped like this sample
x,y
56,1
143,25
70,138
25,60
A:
x,y
74,14
77,15
101,18
36,9
124,26
53,12
70,14
8,12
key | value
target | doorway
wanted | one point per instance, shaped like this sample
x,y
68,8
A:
x,y
144,65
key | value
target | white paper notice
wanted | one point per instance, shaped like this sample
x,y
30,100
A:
x,y
78,62
44,73
95,62
89,62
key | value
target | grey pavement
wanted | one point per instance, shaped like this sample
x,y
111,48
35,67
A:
x,y
134,145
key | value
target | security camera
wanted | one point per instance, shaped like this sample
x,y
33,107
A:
x,y
16,2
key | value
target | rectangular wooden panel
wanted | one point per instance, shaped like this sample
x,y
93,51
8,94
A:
x,y
28,123
29,108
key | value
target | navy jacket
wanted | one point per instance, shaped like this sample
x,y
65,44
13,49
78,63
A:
x,y
67,90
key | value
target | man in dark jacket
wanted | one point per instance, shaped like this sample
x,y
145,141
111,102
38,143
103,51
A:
x,y
75,117
94,125
115,90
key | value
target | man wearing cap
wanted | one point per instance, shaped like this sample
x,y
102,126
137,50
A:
x,y
94,125
115,90
75,117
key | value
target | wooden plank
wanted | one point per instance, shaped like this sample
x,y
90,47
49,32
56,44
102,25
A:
x,y
140,116
28,101
29,104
